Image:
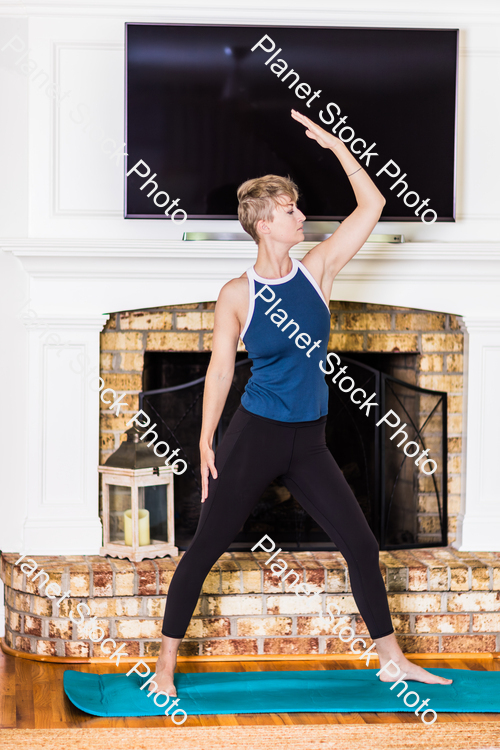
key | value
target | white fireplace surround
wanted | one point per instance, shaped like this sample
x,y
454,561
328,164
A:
x,y
70,258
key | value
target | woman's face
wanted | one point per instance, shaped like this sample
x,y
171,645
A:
x,y
286,225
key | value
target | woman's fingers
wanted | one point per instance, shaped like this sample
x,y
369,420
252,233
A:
x,y
313,131
316,132
207,468
304,120
213,469
204,483
210,463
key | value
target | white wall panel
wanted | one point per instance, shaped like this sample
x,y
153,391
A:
x,y
481,525
479,125
63,433
13,128
62,427
489,442
89,130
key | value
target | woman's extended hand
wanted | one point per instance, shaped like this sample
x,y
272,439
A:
x,y
207,464
317,133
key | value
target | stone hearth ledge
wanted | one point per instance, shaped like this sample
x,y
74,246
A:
x,y
442,601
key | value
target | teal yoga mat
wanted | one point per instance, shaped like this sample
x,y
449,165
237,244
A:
x,y
276,692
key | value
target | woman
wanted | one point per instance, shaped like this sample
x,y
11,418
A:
x,y
279,428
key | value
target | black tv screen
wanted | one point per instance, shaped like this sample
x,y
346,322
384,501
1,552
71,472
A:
x,y
208,107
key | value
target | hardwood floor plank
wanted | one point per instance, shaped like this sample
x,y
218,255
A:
x,y
277,719
303,665
192,721
285,718
297,718
331,718
209,721
316,718
354,718
251,666
446,717
8,719
25,714
58,699
478,665
228,720
407,717
254,719
479,717
42,705
381,718
7,675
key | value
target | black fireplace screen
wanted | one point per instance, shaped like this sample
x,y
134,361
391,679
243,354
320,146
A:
x,y
404,505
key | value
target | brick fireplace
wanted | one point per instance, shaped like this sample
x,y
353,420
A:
x,y
426,300
435,338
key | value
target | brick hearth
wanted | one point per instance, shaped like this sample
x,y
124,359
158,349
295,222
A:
x,y
441,600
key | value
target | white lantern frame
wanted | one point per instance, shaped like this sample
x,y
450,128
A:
x,y
135,479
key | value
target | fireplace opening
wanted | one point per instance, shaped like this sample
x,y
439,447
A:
x,y
404,506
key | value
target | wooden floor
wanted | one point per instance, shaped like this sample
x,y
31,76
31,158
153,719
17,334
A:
x,y
32,696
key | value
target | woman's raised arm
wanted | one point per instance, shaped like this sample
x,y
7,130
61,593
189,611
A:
x,y
327,258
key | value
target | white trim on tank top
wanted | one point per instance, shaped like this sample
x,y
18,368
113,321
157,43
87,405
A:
x,y
313,281
251,287
282,280
252,277
251,303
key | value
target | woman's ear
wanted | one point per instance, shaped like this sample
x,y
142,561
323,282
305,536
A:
x,y
262,227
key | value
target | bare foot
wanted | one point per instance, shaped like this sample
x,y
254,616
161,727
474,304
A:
x,y
410,671
164,680
165,667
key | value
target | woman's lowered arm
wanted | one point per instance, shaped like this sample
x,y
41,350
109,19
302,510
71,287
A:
x,y
218,378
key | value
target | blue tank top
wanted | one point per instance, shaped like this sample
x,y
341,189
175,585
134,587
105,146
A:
x,y
286,335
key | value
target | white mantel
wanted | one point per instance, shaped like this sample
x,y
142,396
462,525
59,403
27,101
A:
x,y
67,254
93,277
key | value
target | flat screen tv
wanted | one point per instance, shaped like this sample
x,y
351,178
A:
x,y
208,107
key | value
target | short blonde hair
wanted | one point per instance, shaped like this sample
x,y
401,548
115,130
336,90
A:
x,y
258,197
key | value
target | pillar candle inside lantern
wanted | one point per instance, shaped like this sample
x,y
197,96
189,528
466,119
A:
x,y
143,527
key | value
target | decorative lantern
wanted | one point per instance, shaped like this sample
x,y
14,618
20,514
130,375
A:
x,y
138,502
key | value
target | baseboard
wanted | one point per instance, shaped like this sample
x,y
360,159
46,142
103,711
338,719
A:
x,y
243,658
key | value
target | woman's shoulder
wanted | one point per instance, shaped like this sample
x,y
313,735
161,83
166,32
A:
x,y
234,297
234,292
236,287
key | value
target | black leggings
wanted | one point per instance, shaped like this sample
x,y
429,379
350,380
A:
x,y
254,451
